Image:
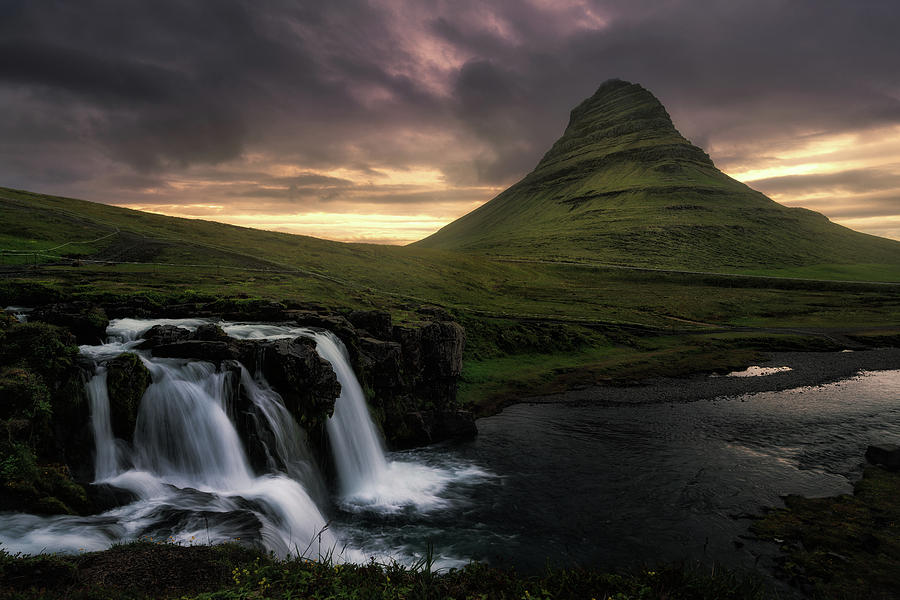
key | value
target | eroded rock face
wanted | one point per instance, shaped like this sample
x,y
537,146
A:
x,y
306,382
410,377
292,367
126,381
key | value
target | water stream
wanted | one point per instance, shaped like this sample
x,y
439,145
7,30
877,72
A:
x,y
608,485
189,473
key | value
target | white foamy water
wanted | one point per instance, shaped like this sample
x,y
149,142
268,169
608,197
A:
x,y
189,473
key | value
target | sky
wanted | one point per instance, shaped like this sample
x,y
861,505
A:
x,y
381,121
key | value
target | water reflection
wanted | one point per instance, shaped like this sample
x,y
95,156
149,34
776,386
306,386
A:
x,y
619,485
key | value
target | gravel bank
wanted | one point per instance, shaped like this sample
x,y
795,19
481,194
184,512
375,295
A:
x,y
807,369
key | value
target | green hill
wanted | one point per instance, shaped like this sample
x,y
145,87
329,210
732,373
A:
x,y
623,186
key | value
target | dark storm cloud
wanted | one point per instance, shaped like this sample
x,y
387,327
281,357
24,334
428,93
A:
x,y
95,92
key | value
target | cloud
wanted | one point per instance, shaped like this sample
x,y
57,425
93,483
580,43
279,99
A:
x,y
228,102
854,181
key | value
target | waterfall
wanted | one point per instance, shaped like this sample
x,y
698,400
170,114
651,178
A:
x,y
183,434
189,472
290,439
356,445
106,461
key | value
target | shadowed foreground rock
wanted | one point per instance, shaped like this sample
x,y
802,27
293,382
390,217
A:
x,y
886,455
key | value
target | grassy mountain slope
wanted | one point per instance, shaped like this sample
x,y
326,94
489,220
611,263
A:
x,y
531,325
623,186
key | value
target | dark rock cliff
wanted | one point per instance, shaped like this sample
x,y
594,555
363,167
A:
x,y
408,372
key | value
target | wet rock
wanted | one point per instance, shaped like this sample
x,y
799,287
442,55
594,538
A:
x,y
306,382
886,455
455,424
209,332
126,381
161,335
103,497
377,323
384,362
213,351
87,322
336,324
420,428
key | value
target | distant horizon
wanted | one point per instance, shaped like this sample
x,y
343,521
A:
x,y
380,122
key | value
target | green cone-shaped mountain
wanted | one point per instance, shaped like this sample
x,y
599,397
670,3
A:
x,y
623,186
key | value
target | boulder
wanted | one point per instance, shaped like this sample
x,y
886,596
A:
x,y
336,324
161,335
209,332
126,381
886,455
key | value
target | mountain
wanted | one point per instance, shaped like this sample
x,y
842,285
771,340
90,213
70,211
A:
x,y
623,186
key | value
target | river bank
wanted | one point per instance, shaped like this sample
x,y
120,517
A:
x,y
806,369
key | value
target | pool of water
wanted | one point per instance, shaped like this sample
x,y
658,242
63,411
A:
x,y
612,486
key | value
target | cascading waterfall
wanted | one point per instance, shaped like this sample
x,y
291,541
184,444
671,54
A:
x,y
182,433
189,473
355,443
106,462
290,439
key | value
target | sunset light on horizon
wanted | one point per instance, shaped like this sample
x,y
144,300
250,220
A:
x,y
381,122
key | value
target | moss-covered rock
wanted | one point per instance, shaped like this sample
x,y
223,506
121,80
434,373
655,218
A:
x,y
126,381
23,394
842,547
85,320
46,349
42,411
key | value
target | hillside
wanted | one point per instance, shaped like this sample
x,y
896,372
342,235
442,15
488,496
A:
x,y
530,325
623,186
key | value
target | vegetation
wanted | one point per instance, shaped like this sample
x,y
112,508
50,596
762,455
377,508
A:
x,y
844,547
148,570
40,390
563,321
625,254
622,186
491,383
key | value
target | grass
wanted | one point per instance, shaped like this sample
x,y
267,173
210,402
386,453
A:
x,y
622,186
489,384
148,570
564,321
846,547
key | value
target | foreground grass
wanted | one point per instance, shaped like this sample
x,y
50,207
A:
x,y
845,547
146,570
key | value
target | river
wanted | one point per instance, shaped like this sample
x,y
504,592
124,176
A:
x,y
557,481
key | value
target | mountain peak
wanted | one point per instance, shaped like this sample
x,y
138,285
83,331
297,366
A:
x,y
623,186
620,117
